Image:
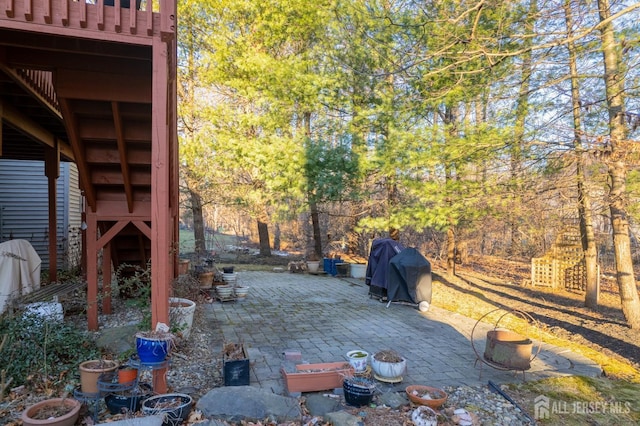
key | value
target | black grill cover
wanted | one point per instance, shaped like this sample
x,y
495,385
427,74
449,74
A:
x,y
382,250
409,277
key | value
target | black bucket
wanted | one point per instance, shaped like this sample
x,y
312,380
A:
x,y
356,394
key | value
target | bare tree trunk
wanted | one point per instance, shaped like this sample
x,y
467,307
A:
x,y
451,251
614,83
315,224
584,202
263,235
517,149
198,224
450,121
276,237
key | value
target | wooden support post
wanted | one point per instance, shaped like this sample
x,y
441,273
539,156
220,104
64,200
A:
x,y
161,264
106,279
92,271
52,171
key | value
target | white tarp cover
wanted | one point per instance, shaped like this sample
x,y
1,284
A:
x,y
19,270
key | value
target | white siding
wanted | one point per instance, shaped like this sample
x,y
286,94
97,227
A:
x,y
24,207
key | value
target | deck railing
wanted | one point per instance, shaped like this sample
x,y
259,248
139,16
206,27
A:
x,y
41,82
98,19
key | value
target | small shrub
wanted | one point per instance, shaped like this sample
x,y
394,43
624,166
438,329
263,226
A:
x,y
42,353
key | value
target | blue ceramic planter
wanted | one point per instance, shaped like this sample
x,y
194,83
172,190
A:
x,y
152,350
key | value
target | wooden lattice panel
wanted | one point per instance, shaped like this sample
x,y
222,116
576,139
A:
x,y
562,265
542,272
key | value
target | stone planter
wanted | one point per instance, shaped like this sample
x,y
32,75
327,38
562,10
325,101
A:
x,y
316,377
388,371
69,412
181,315
90,372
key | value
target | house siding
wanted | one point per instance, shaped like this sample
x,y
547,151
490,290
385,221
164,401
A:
x,y
24,209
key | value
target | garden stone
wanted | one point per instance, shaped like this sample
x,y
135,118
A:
x,y
118,339
393,399
319,404
342,418
237,403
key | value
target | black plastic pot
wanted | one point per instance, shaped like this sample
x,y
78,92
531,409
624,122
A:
x,y
227,269
356,394
175,407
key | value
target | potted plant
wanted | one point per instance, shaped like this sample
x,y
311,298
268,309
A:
x,y
313,263
235,365
128,400
358,360
52,412
241,291
358,391
91,370
154,346
174,407
388,366
127,374
181,313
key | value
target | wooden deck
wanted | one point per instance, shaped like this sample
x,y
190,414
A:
x,y
96,84
84,20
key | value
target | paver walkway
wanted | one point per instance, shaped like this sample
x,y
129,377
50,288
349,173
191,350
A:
x,y
325,317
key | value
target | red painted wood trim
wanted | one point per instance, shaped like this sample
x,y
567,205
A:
x,y
83,14
143,227
47,12
111,233
106,279
161,266
28,10
78,152
10,8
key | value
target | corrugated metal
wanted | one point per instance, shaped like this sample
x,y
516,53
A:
x,y
24,203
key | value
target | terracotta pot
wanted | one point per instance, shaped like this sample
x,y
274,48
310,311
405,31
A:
x,y
206,279
127,374
91,370
30,415
436,397
183,266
